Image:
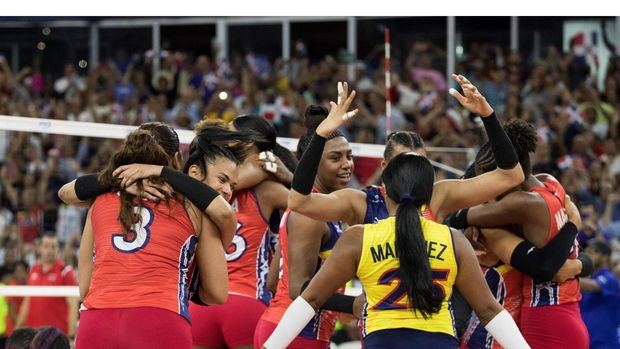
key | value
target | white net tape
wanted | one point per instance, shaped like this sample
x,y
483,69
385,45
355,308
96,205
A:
x,y
39,291
91,129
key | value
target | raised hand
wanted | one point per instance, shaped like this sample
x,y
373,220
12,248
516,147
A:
x,y
338,111
473,100
131,173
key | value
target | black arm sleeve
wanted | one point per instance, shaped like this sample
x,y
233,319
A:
x,y
587,267
87,187
303,178
336,302
503,150
543,263
194,190
459,219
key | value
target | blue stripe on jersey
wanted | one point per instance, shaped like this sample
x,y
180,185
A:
x,y
480,337
376,209
186,256
262,268
545,293
335,231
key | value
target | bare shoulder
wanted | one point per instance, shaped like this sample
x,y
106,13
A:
x,y
270,188
354,233
546,177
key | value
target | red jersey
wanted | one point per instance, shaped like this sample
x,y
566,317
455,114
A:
x,y
150,266
506,284
248,255
536,293
322,324
50,311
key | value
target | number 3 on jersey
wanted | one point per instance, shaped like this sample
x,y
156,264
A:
x,y
237,247
139,235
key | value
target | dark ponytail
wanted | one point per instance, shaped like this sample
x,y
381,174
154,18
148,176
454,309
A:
x,y
313,116
409,180
238,142
140,147
264,128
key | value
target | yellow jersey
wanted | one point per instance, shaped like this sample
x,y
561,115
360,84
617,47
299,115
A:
x,y
378,270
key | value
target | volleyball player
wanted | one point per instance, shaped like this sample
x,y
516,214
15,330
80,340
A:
x,y
550,316
407,265
248,257
205,197
86,187
136,258
354,206
305,242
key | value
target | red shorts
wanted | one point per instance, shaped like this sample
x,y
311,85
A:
x,y
229,325
554,327
143,327
265,328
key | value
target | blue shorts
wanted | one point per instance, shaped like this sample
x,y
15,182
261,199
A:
x,y
409,338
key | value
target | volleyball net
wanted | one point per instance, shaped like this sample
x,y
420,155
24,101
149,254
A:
x,y
112,131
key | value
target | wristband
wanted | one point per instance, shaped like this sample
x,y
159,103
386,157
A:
x,y
303,179
503,150
87,187
194,190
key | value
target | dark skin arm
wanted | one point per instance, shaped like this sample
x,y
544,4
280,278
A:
x,y
340,267
517,208
304,243
271,196
347,205
470,281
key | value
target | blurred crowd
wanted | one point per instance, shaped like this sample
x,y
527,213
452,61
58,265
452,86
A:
x,y
577,121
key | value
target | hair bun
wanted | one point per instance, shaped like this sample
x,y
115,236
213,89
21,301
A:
x,y
140,138
313,116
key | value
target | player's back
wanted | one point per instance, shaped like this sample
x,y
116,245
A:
x,y
537,293
248,255
147,267
378,270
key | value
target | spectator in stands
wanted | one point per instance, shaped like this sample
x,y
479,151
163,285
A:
x,y
50,271
600,305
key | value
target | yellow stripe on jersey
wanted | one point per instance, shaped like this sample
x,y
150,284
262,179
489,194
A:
x,y
386,299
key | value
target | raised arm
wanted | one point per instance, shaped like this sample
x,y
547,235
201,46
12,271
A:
x,y
452,195
339,205
339,268
474,288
